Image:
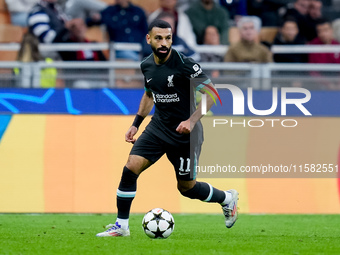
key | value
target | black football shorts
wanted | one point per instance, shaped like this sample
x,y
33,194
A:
x,y
184,157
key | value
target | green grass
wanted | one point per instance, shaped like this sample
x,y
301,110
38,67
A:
x,y
193,234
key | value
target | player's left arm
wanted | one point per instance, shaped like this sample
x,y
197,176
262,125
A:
x,y
185,127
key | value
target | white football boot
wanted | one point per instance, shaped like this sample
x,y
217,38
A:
x,y
114,230
230,210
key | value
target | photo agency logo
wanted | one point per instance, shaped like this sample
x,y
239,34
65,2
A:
x,y
238,106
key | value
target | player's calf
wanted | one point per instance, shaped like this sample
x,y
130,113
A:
x,y
205,192
125,194
228,199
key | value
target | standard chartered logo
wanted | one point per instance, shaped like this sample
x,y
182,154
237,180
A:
x,y
166,98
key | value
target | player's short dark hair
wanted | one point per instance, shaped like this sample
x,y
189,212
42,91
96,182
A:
x,y
158,23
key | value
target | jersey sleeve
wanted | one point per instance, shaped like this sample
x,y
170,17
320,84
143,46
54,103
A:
x,y
194,72
146,86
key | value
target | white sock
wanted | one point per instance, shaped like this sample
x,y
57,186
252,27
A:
x,y
124,223
228,197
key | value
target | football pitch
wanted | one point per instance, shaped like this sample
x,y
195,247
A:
x,y
193,234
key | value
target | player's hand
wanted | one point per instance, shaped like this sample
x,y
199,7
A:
x,y
184,127
130,134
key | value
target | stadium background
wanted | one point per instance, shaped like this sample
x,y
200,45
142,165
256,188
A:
x,y
72,162
63,162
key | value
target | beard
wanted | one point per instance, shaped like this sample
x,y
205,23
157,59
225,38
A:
x,y
161,55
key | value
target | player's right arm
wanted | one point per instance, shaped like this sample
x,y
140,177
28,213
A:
x,y
146,104
145,108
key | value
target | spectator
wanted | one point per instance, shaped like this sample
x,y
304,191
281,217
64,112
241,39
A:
x,y
315,9
248,49
19,9
177,42
299,13
183,5
267,10
254,7
325,37
236,9
336,29
211,37
83,8
124,22
78,35
47,22
29,52
314,14
289,35
183,27
206,13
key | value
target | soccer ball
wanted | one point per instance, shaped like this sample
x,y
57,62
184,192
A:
x,y
158,223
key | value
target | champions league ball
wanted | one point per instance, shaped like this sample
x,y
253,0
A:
x,y
158,223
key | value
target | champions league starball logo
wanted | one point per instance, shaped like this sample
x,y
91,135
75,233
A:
x,y
239,105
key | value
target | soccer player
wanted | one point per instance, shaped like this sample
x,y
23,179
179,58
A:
x,y
167,75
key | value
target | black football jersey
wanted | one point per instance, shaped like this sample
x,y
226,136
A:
x,y
173,95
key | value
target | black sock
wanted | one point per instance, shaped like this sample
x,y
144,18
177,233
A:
x,y
126,193
205,192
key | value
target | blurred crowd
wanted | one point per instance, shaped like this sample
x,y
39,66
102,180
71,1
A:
x,y
240,24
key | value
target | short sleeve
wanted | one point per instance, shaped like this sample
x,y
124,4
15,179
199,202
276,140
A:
x,y
146,86
194,72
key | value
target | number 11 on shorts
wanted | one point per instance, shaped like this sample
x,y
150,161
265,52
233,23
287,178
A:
x,y
181,167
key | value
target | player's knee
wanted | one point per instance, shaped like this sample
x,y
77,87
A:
x,y
190,193
181,189
133,168
184,186
137,164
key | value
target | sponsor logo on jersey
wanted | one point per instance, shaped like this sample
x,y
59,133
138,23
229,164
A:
x,y
196,67
148,80
199,71
166,98
170,81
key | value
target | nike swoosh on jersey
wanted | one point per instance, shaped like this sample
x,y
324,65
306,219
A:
x,y
148,80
